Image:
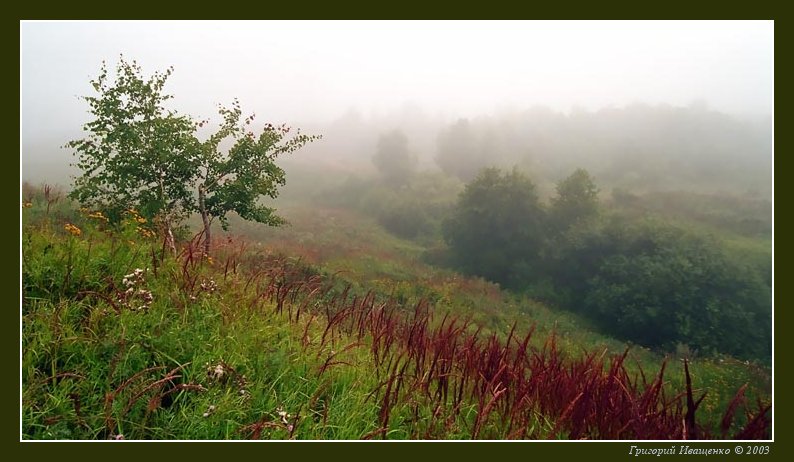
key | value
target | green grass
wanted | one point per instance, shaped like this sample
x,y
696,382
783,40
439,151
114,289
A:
x,y
209,357
362,253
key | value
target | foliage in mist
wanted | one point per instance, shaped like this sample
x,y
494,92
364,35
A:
x,y
395,163
641,280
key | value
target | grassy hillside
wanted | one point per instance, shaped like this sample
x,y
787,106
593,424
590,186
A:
x,y
328,329
355,249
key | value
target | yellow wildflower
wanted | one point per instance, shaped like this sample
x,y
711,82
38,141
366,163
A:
x,y
145,232
98,215
27,205
72,229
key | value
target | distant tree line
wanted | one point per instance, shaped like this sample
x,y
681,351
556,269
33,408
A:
x,y
638,147
639,279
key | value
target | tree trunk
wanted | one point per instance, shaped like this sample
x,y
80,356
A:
x,y
164,225
169,237
170,242
205,219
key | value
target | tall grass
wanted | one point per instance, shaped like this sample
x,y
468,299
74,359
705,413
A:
x,y
120,340
430,371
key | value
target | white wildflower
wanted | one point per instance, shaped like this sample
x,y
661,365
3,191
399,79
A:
x,y
209,285
217,372
283,414
210,411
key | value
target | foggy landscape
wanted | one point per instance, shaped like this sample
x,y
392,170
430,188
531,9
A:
x,y
336,230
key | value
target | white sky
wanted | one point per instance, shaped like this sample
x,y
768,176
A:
x,y
313,71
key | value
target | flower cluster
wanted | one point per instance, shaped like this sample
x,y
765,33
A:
x,y
217,372
98,216
27,205
134,278
209,285
147,233
284,418
72,229
210,411
138,220
136,297
222,373
136,216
